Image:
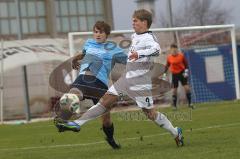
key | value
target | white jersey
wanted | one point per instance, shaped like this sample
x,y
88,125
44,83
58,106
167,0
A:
x,y
136,83
146,46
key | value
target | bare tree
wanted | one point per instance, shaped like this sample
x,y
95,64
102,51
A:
x,y
199,12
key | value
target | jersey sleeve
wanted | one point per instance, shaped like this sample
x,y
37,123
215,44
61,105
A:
x,y
168,61
167,65
120,57
85,47
152,48
185,62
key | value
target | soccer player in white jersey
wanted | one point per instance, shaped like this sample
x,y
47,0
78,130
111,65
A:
x,y
136,82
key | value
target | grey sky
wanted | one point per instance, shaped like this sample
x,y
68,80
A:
x,y
123,9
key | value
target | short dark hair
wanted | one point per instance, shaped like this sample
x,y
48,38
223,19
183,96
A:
x,y
102,26
173,46
143,14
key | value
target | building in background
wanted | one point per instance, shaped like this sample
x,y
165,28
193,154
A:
x,y
51,18
42,25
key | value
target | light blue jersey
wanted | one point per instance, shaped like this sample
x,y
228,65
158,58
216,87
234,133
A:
x,y
100,58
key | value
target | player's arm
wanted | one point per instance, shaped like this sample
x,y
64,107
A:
x,y
186,71
76,58
80,55
164,75
152,49
166,66
120,57
185,62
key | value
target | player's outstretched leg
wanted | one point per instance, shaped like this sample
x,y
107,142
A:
x,y
63,125
94,112
179,138
161,120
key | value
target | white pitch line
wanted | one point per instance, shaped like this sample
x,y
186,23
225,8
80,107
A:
x,y
101,142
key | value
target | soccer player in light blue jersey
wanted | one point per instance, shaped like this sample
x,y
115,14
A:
x,y
97,60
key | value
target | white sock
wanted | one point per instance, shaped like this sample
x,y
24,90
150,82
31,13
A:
x,y
163,122
92,113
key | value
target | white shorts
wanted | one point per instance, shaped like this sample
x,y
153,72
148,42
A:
x,y
138,88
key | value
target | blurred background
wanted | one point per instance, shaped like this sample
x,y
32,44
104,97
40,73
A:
x,y
34,41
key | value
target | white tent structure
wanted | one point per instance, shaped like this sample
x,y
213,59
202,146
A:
x,y
24,52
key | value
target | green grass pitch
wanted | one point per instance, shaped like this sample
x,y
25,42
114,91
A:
x,y
211,132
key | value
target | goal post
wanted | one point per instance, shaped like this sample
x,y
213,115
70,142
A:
x,y
1,83
213,45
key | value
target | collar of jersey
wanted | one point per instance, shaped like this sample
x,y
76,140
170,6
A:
x,y
144,32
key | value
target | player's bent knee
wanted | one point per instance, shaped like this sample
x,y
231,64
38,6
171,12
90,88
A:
x,y
150,114
108,100
151,117
78,92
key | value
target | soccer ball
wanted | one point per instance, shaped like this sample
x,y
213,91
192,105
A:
x,y
70,102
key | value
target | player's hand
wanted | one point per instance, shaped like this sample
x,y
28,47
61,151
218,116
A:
x,y
133,56
163,77
75,63
185,73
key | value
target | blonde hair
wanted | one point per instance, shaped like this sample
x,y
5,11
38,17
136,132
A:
x,y
143,14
